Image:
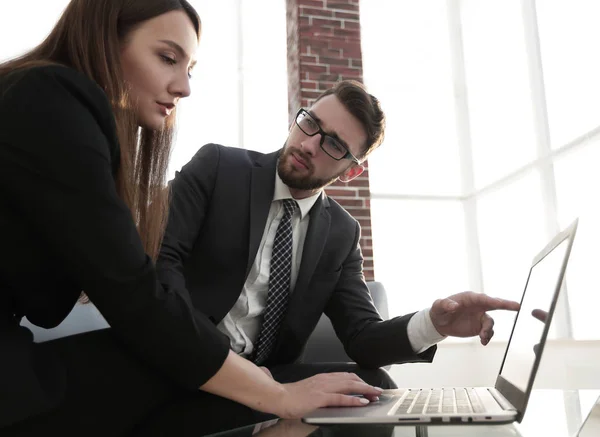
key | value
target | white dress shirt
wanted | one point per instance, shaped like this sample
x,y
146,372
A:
x,y
242,323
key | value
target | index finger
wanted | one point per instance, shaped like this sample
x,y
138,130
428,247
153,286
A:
x,y
541,315
495,303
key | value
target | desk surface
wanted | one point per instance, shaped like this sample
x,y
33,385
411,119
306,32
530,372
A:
x,y
550,413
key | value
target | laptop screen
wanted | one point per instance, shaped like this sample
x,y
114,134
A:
x,y
529,327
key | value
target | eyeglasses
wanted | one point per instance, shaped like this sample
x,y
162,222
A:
x,y
329,144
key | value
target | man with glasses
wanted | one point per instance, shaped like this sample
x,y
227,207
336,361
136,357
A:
x,y
264,252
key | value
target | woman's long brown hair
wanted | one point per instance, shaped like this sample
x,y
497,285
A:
x,y
88,38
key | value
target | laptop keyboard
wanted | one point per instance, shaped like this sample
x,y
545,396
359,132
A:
x,y
445,401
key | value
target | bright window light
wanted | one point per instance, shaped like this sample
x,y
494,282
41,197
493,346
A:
x,y
529,70
569,34
411,74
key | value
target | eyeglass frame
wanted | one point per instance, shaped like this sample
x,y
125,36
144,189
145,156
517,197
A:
x,y
348,155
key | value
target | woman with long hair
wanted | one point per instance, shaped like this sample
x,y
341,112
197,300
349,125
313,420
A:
x,y
86,121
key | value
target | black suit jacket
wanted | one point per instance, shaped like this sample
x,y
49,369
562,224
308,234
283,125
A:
x,y
219,207
65,229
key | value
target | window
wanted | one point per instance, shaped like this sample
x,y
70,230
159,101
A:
x,y
568,33
234,83
492,147
21,30
411,76
577,186
425,255
510,236
497,82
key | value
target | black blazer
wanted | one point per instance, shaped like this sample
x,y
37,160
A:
x,y
64,230
219,207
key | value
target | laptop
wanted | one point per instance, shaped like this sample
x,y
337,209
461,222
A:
x,y
591,425
507,400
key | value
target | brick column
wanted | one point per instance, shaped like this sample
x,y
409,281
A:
x,y
323,39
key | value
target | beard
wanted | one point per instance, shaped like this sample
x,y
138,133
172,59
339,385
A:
x,y
294,179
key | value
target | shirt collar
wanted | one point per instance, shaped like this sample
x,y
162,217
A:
x,y
282,192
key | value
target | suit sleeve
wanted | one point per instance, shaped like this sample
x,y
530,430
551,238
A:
x,y
368,340
191,191
55,165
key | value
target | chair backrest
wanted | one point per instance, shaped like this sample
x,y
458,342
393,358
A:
x,y
323,346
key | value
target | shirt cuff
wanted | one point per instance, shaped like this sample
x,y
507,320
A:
x,y
421,332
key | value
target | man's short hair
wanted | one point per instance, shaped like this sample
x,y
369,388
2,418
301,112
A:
x,y
365,107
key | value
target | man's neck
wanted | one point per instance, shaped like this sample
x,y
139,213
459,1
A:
x,y
303,194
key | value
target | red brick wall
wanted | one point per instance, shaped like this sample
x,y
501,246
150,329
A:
x,y
323,48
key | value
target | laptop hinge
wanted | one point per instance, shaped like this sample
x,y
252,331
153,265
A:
x,y
504,403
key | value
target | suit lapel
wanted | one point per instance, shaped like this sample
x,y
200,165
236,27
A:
x,y
262,188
